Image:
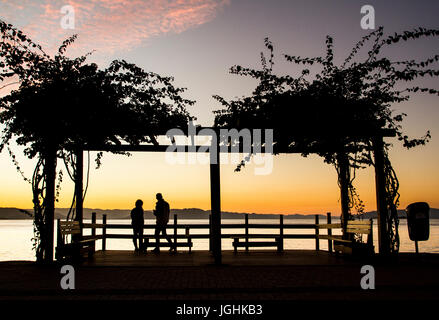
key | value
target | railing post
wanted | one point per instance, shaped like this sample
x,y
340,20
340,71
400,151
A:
x,y
370,237
104,232
328,221
93,221
189,238
317,233
246,232
210,231
59,239
281,232
175,229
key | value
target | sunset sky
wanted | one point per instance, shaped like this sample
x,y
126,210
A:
x,y
197,42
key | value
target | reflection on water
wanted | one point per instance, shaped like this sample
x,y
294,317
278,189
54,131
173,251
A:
x,y
16,235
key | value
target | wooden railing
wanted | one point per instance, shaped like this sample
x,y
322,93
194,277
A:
x,y
175,226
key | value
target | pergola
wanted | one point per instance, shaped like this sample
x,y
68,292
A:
x,y
215,227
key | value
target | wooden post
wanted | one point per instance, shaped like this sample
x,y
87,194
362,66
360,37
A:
x,y
215,200
104,232
210,233
371,229
281,232
189,238
58,233
79,186
246,231
328,221
93,221
175,229
380,183
59,239
343,178
49,204
317,233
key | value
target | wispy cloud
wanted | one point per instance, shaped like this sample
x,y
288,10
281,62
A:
x,y
108,26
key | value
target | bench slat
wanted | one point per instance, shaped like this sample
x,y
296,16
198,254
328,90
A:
x,y
328,237
355,230
359,227
66,232
69,223
343,240
91,237
359,222
70,228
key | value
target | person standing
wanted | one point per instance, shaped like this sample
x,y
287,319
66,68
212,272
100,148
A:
x,y
161,213
137,222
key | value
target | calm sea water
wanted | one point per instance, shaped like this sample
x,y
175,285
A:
x,y
16,235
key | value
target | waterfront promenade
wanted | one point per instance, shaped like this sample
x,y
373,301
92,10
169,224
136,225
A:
x,y
257,275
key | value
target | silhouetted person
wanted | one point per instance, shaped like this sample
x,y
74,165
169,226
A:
x,y
161,213
137,222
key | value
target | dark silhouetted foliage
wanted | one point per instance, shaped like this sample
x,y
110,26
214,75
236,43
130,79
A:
x,y
61,104
337,109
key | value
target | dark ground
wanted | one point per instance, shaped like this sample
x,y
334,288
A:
x,y
264,277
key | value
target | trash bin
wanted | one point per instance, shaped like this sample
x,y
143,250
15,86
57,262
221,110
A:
x,y
418,221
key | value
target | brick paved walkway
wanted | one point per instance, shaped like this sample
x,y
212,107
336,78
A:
x,y
337,279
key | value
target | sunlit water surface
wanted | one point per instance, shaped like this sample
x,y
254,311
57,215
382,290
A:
x,y
16,237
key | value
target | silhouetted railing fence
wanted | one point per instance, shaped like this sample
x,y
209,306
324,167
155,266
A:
x,y
246,235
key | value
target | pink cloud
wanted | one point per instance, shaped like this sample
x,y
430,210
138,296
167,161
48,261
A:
x,y
108,26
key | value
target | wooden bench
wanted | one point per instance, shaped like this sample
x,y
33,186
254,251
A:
x,y
349,245
152,244
75,249
246,243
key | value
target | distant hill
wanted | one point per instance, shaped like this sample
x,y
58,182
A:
x,y
434,214
188,213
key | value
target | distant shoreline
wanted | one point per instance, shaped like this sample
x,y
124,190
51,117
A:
x,y
187,213
124,214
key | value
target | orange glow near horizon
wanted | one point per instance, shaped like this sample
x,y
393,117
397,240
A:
x,y
196,42
296,185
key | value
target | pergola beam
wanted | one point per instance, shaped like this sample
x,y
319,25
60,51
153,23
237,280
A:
x,y
239,148
311,133
206,149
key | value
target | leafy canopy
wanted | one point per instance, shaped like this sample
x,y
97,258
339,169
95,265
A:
x,y
328,111
65,102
